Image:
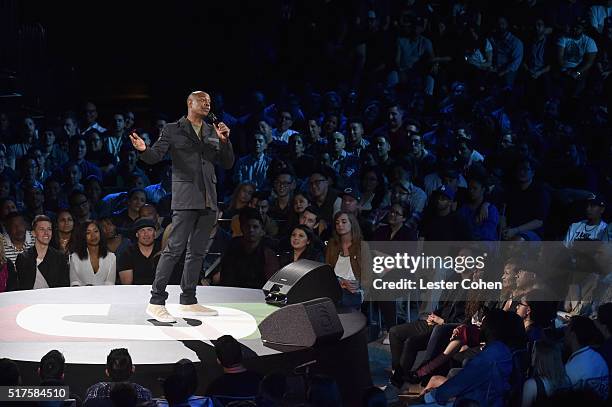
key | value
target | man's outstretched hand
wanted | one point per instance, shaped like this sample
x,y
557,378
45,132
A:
x,y
137,142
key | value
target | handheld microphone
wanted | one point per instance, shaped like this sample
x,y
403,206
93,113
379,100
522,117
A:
x,y
212,118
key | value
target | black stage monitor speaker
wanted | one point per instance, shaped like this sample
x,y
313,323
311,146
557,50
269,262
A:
x,y
302,325
301,281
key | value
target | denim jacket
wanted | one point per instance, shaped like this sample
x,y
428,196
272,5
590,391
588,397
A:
x,y
485,378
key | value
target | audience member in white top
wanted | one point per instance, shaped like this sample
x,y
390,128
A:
x,y
586,367
591,228
91,263
576,52
598,14
284,131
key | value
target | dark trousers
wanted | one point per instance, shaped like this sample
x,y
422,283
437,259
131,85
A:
x,y
406,341
190,229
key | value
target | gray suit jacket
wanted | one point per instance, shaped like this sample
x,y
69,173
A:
x,y
193,173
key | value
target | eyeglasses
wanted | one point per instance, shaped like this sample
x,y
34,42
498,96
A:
x,y
520,303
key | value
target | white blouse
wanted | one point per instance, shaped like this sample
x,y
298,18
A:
x,y
81,271
343,268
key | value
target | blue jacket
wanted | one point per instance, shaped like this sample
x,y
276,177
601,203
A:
x,y
485,378
486,230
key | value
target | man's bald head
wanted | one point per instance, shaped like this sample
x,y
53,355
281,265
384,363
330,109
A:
x,y
198,94
198,103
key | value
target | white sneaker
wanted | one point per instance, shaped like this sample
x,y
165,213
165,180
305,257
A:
x,y
198,310
385,340
159,313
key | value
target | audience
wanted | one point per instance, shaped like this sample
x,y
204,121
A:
x,y
8,275
42,266
136,265
79,207
261,202
443,121
63,232
241,198
485,378
253,168
115,241
304,245
125,218
548,374
350,257
92,263
236,381
248,261
119,369
324,198
18,238
395,229
181,386
586,368
7,206
51,372
592,228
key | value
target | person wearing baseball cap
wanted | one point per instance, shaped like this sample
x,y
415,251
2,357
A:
x,y
591,228
447,192
136,265
351,203
415,197
444,224
351,198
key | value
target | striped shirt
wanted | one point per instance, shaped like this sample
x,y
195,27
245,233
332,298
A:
x,y
11,251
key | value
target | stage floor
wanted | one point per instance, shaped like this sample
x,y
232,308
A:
x,y
85,323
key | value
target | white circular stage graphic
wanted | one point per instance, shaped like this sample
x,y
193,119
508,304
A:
x,y
53,319
85,323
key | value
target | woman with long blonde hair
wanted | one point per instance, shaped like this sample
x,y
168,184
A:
x,y
350,257
8,275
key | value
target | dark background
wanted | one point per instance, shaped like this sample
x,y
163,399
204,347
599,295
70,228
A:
x,y
144,54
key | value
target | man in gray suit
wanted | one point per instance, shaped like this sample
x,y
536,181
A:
x,y
195,146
